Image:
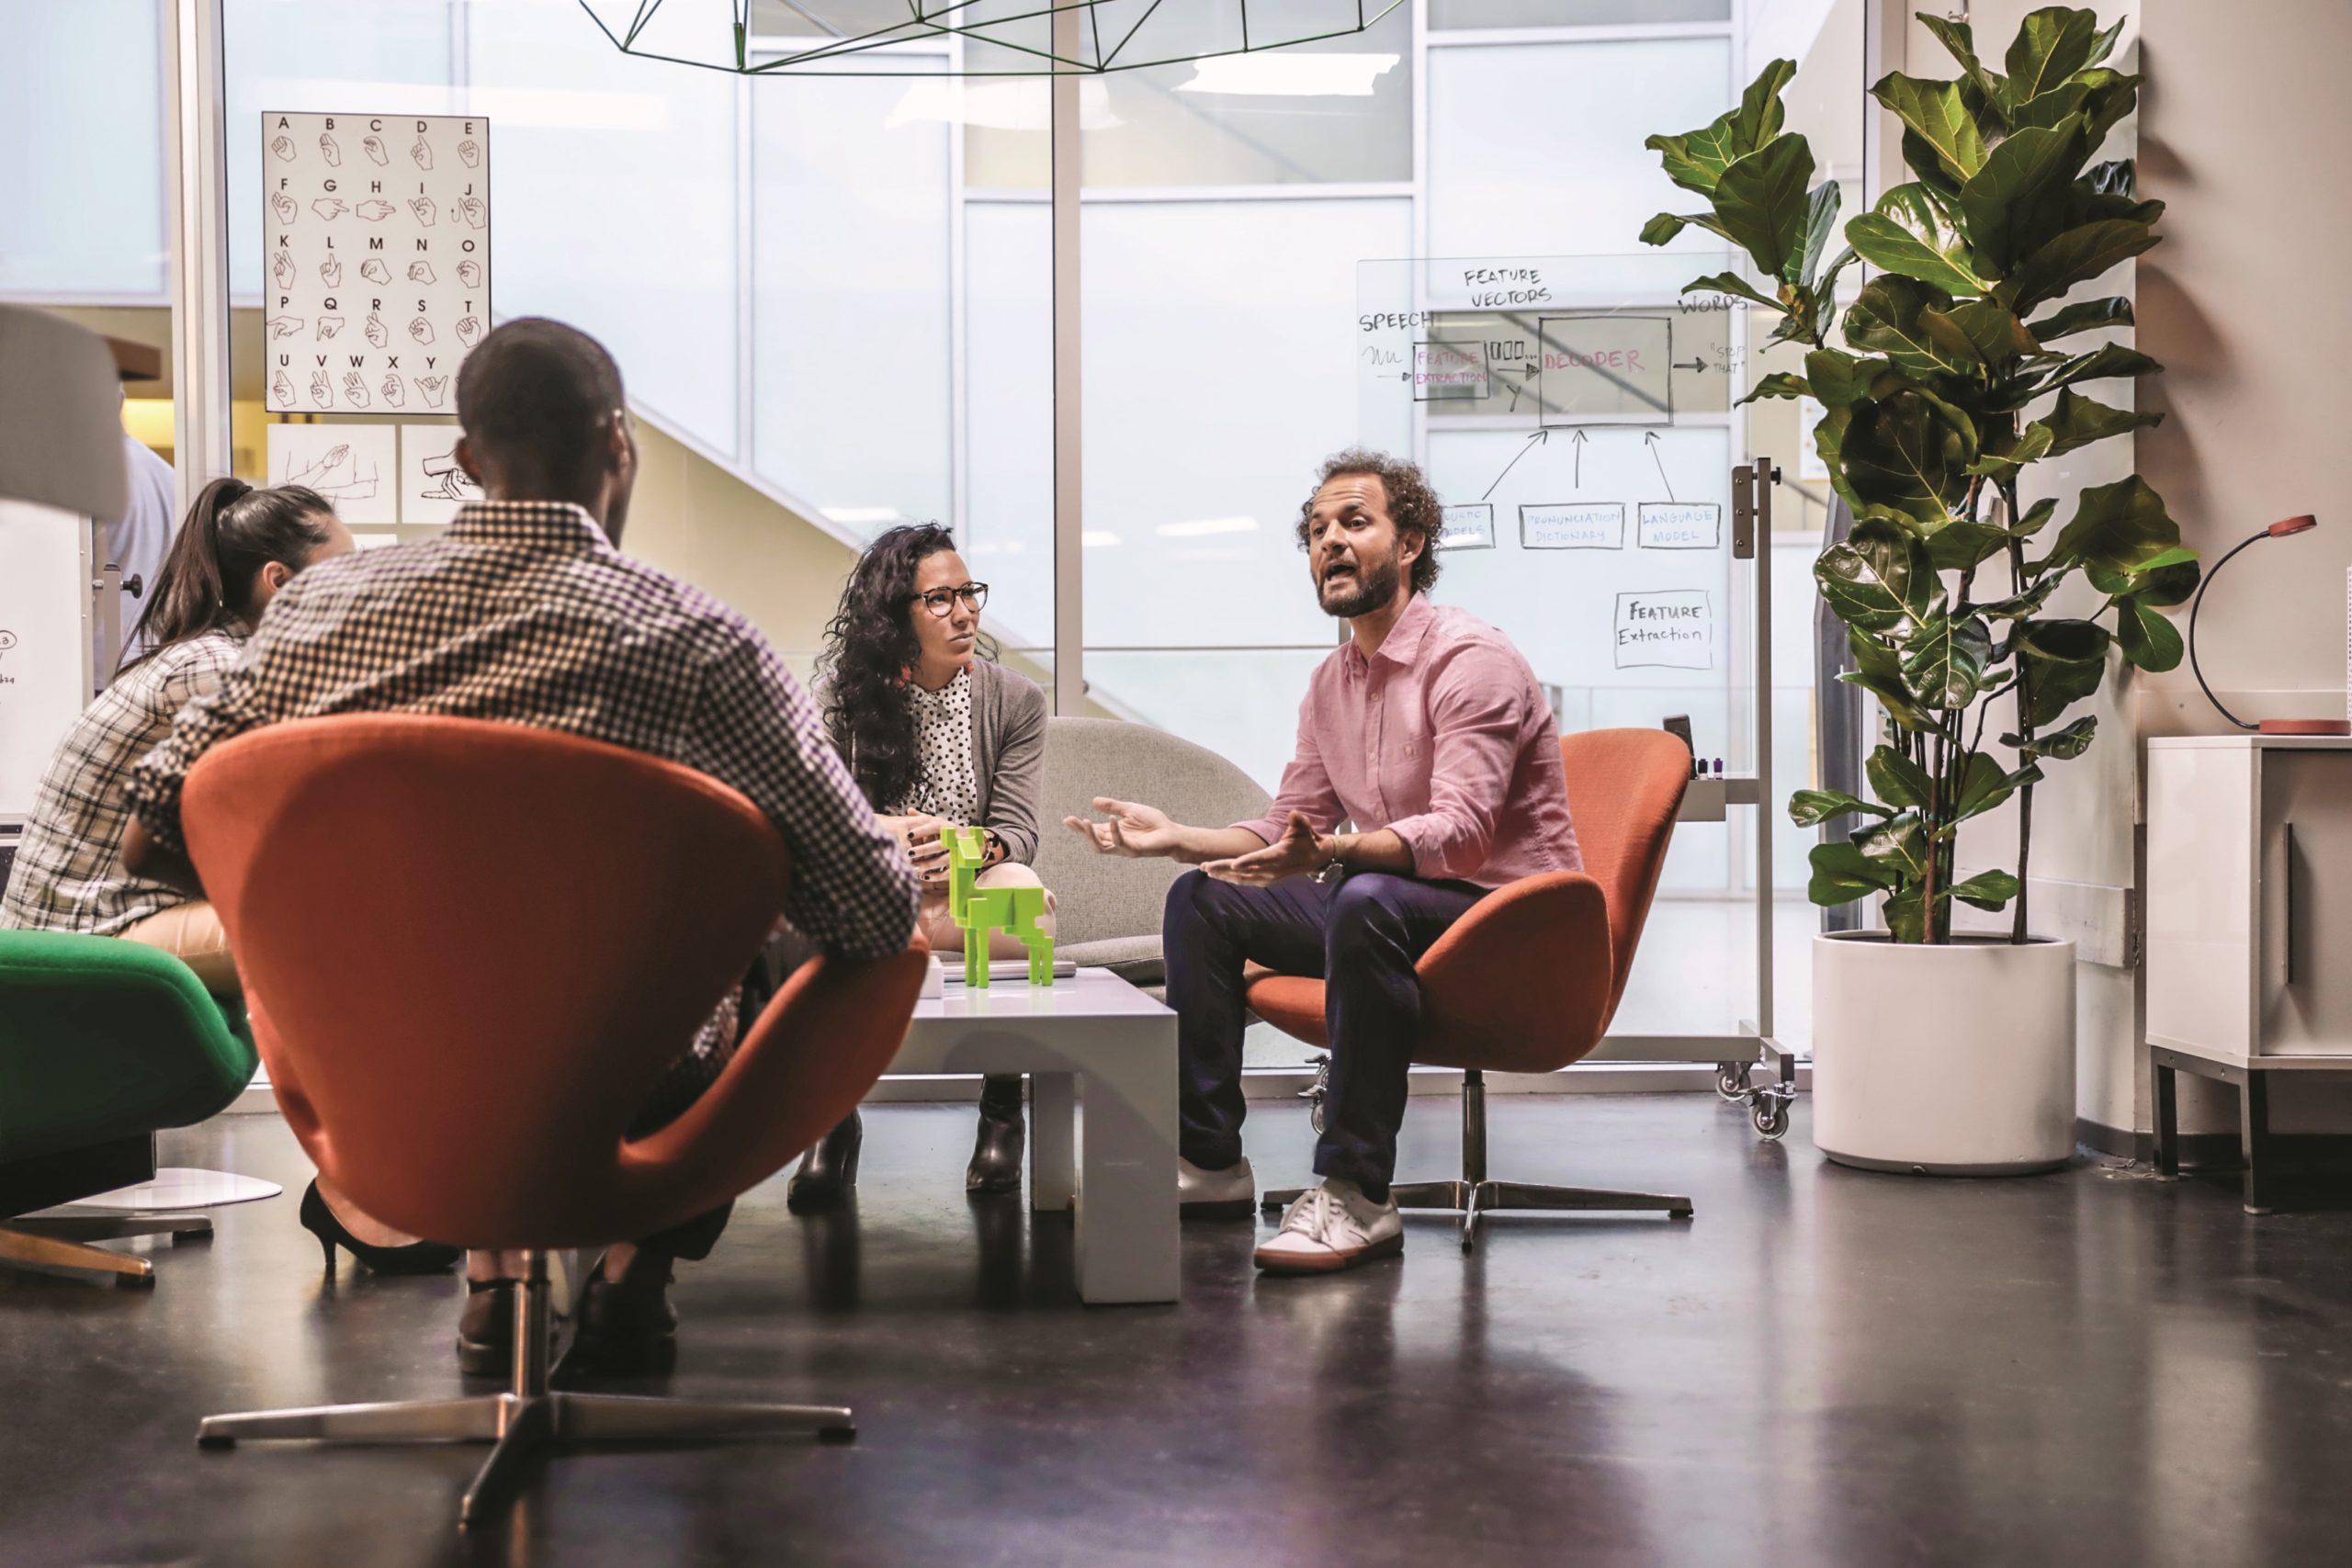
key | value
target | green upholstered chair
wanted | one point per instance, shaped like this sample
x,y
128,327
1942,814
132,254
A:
x,y
102,1042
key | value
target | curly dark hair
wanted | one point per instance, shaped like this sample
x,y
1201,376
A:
x,y
869,647
1413,506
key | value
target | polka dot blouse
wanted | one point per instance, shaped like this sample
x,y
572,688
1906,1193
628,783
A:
x,y
946,785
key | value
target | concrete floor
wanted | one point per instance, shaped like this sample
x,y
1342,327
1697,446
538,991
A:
x,y
1824,1368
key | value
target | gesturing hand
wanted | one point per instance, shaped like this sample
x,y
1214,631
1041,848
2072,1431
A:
x,y
1300,851
926,851
1135,831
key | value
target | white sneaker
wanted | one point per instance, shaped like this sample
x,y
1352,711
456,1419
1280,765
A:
x,y
1331,1227
1230,1194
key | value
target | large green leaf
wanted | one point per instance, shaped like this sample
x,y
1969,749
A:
x,y
1886,318
1986,889
2030,446
2060,745
1879,670
1666,225
2074,256
1840,379
2110,190
1697,161
2117,526
2083,316
1842,873
2077,420
2018,606
2051,45
1761,202
1820,222
1812,807
2059,107
1902,458
1897,780
1878,577
2036,518
1906,915
1945,661
2018,199
1733,284
2112,95
2108,362
1992,332
1960,41
1779,384
2146,635
2063,662
1908,232
1985,784
1960,545
1933,113
1897,846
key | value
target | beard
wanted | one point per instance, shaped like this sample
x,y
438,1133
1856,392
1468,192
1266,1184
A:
x,y
1374,587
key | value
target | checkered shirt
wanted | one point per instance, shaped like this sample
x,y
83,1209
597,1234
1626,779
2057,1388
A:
x,y
68,875
523,612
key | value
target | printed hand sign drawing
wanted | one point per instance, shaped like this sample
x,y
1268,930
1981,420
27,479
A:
x,y
284,208
469,153
377,332
433,387
328,327
281,390
425,210
421,272
474,210
421,331
281,270
469,330
331,271
327,149
395,390
336,473
451,483
469,273
376,210
329,207
374,147
285,326
355,390
374,270
321,393
283,147
421,154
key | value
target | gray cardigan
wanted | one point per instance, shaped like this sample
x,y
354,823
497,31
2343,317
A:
x,y
1008,755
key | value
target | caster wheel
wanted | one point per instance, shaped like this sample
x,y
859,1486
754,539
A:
x,y
1731,1081
1316,1092
1771,1117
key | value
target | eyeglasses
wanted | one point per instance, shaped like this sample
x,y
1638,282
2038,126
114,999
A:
x,y
941,601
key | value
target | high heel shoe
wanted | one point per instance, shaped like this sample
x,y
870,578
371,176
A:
x,y
416,1257
828,1172
996,1151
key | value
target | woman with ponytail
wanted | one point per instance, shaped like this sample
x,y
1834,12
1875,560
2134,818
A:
x,y
238,548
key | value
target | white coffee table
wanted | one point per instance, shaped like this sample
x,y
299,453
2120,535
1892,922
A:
x,y
1102,1061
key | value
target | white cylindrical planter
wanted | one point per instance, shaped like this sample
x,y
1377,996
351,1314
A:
x,y
1952,1060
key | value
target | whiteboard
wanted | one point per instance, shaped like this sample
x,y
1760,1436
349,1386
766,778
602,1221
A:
x,y
44,642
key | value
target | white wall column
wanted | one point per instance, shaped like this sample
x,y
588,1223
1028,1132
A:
x,y
197,177
1070,589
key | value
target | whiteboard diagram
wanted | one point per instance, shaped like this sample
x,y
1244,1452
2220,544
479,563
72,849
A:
x,y
377,233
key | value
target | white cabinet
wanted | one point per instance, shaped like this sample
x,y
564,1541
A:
x,y
2249,921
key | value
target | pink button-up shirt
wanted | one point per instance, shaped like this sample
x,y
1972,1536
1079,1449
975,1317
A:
x,y
1444,738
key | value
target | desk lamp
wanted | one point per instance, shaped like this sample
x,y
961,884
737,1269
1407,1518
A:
x,y
2279,530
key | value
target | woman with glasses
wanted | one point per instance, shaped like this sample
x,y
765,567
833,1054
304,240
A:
x,y
938,736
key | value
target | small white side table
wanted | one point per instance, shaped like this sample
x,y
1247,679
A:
x,y
2249,925
1101,1060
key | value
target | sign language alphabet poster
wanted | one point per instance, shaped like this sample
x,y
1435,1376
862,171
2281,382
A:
x,y
376,243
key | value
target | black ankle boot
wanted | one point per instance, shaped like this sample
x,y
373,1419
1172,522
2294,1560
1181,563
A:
x,y
996,1154
828,1171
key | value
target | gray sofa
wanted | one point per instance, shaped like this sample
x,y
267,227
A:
x,y
1109,907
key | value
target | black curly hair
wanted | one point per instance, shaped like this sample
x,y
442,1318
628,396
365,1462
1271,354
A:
x,y
869,647
1413,506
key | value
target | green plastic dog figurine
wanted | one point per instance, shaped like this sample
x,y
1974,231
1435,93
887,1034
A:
x,y
981,910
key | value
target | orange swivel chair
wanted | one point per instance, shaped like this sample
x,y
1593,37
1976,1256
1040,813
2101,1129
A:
x,y
1528,980
471,950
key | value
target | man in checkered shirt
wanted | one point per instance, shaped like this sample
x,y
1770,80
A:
x,y
526,612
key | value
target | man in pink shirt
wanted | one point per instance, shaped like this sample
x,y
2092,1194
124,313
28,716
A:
x,y
1428,732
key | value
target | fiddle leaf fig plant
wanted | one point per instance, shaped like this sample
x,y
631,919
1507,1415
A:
x,y
1956,375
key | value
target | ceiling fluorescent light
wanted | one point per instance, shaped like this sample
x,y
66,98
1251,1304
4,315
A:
x,y
1289,74
1098,538
1026,105
1203,526
858,516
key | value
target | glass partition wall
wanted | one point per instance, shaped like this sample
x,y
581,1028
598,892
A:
x,y
833,298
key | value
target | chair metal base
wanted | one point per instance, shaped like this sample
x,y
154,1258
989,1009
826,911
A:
x,y
1474,1195
529,1422
61,1241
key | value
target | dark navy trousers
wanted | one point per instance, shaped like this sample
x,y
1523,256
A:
x,y
1362,937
